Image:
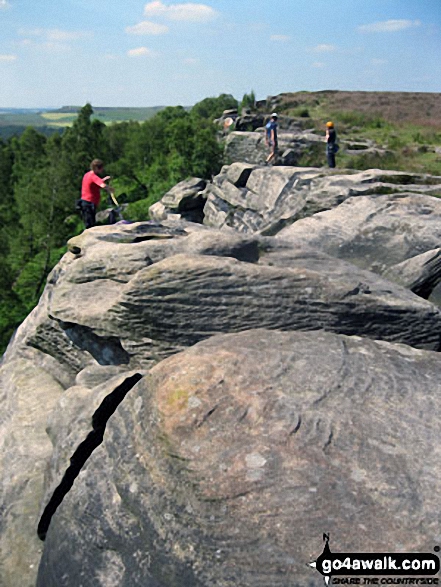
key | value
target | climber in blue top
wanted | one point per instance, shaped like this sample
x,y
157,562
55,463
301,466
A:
x,y
271,137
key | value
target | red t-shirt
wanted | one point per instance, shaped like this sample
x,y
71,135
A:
x,y
90,190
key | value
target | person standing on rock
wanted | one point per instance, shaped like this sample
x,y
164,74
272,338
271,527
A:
x,y
331,144
271,138
93,183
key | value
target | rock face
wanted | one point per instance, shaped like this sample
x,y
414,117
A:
x,y
194,405
226,463
269,198
421,274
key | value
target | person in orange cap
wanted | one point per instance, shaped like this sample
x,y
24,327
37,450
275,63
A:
x,y
331,144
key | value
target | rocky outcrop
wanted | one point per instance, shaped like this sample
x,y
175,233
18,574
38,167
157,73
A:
x,y
226,463
267,199
250,147
28,394
219,283
247,142
185,398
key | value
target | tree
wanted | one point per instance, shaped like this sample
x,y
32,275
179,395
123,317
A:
x,y
81,143
207,153
249,101
211,108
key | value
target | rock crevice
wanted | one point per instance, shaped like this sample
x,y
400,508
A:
x,y
85,450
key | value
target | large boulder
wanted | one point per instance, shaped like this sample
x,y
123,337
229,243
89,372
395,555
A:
x,y
184,200
225,465
275,197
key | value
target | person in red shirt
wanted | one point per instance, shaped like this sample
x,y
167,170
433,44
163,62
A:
x,y
93,183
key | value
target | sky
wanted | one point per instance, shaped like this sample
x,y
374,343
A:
x,y
137,53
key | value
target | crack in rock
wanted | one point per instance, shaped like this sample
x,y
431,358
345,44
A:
x,y
99,421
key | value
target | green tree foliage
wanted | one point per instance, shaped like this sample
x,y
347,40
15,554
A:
x,y
7,211
249,100
11,308
211,108
81,143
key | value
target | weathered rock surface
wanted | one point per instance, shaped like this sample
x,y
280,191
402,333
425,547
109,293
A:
x,y
76,427
396,235
275,197
225,465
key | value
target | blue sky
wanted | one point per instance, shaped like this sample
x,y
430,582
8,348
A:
x,y
137,53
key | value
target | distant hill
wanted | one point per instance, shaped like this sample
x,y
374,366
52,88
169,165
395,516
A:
x,y
418,108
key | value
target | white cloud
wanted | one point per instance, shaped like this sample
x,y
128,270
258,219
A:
x,y
4,4
8,57
141,52
191,61
388,26
280,38
324,48
183,12
318,64
147,28
378,61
